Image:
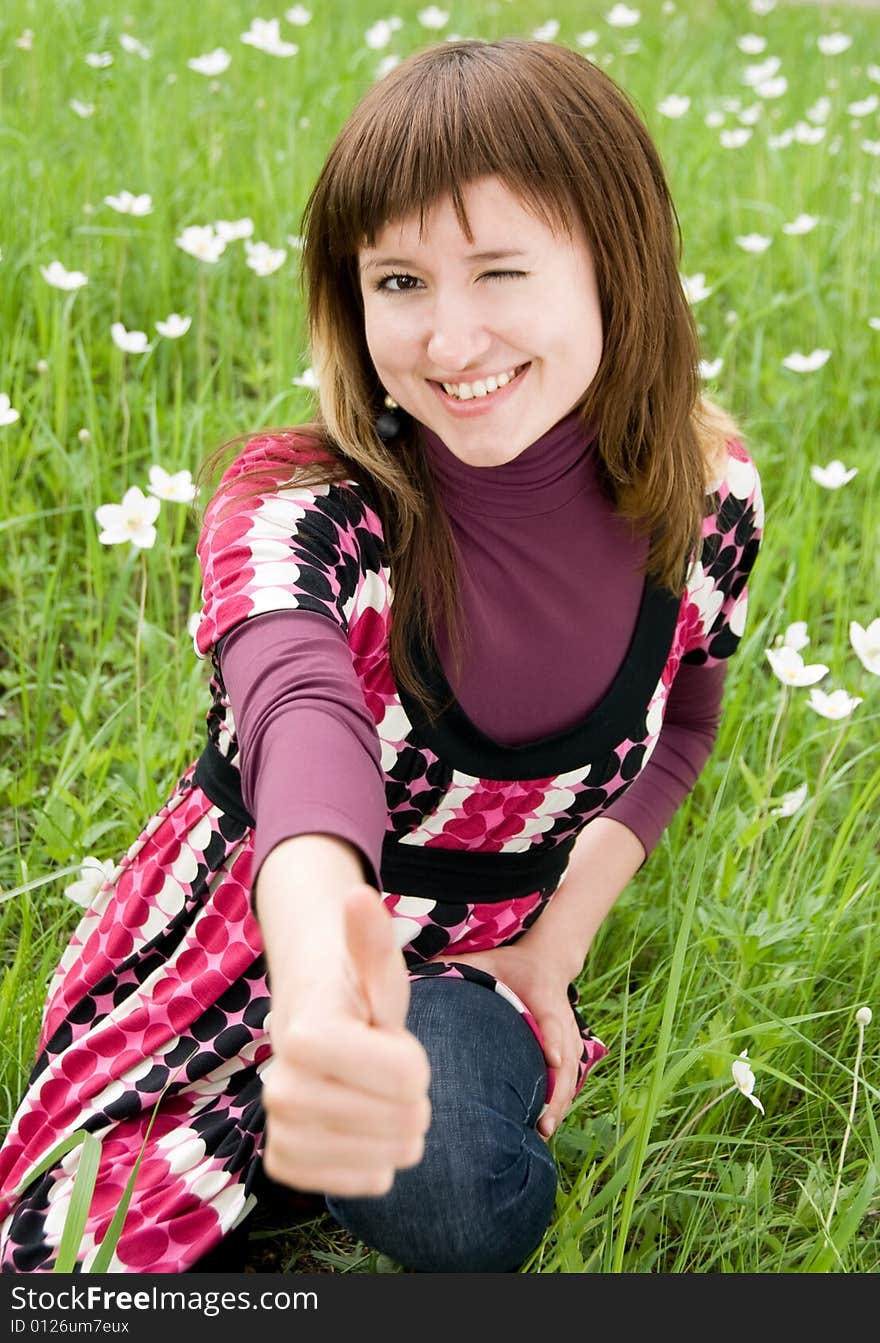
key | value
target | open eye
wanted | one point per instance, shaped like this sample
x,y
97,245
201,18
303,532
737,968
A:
x,y
384,283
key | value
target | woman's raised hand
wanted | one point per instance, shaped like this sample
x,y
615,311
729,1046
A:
x,y
346,1094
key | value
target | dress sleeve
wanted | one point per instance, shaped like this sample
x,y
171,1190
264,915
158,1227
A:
x,y
716,593
269,545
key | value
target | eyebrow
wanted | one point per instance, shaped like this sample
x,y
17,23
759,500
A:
x,y
474,256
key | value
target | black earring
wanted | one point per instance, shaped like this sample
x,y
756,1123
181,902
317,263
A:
x,y
390,422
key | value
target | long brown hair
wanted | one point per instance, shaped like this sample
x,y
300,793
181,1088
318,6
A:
x,y
563,138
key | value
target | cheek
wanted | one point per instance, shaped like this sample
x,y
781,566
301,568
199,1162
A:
x,y
386,338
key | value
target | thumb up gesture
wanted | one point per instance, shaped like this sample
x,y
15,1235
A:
x,y
346,1095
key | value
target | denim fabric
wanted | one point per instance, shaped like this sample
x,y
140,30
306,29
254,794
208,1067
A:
x,y
483,1194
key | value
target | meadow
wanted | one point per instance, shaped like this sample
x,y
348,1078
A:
x,y
754,927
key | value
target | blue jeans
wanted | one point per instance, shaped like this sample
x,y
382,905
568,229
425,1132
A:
x,y
481,1197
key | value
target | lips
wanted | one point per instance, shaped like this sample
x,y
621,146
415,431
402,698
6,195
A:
x,y
479,405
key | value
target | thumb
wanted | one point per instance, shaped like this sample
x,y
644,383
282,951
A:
x,y
375,958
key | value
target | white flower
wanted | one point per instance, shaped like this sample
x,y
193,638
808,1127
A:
x,y
622,17
174,326
298,16
264,34
212,63
736,138
744,1077
92,875
547,31
433,17
7,414
201,242
791,802
820,111
134,47
379,35
750,115
132,342
788,666
803,224
772,88
307,379
834,475
59,278
874,323
753,242
836,705
795,636
263,259
871,147
232,230
832,44
710,368
865,107
668,7
713,120
864,1016
387,64
176,489
83,110
873,72
780,141
295,240
808,135
127,204
99,60
750,44
757,74
806,363
762,6
132,520
865,642
587,39
695,287
674,105
26,41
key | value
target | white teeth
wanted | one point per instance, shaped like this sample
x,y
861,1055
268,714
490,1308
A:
x,y
464,391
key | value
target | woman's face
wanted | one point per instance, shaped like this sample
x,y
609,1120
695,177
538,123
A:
x,y
519,305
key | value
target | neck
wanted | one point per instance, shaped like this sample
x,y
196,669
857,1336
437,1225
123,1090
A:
x,y
541,478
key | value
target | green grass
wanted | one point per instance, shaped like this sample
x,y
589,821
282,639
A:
x,y
744,930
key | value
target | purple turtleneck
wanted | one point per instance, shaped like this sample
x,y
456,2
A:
x,y
550,589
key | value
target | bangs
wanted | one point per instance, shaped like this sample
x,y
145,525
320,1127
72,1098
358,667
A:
x,y
428,130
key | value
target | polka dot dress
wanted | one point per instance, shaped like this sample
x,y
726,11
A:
x,y
155,1034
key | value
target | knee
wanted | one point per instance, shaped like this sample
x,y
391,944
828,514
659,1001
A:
x,y
478,1202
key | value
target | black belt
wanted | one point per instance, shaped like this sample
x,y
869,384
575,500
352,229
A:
x,y
453,876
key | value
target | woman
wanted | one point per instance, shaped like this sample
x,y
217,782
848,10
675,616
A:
x,y
565,530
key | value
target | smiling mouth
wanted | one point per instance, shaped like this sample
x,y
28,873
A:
x,y
481,388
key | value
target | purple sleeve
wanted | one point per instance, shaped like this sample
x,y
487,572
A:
x,y
690,726
308,749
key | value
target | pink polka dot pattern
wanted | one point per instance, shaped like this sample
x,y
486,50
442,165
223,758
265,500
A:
x,y
154,1034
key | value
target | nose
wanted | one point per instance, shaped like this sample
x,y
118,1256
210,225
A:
x,y
457,337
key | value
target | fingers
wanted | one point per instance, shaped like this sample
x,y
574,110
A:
x,y
386,1064
331,1138
562,1052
